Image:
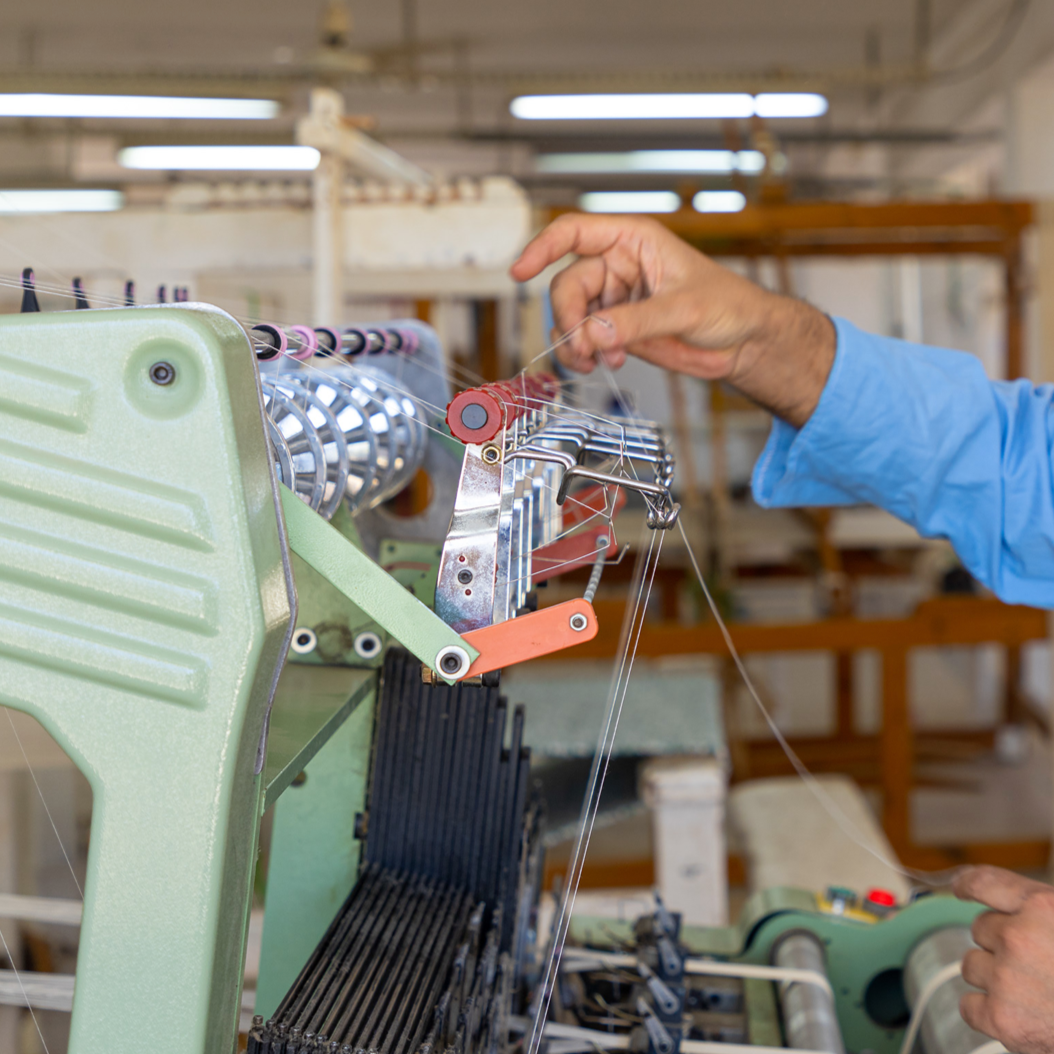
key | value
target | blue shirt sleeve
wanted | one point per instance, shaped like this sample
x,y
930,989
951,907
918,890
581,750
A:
x,y
923,433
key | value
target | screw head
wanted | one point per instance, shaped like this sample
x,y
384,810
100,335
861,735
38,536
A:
x,y
304,640
367,645
453,662
578,622
162,373
464,576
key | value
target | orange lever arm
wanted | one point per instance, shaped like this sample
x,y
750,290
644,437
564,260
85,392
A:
x,y
529,636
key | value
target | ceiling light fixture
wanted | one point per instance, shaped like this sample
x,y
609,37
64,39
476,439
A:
x,y
657,106
702,161
719,201
630,201
14,202
790,104
221,158
144,107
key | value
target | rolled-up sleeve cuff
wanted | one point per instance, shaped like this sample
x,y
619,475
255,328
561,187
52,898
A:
x,y
784,474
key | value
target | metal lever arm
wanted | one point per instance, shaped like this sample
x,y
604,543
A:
x,y
372,589
530,636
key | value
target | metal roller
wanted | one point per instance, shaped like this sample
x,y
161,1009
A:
x,y
809,1018
943,1030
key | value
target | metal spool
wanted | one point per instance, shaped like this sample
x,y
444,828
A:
x,y
397,425
302,441
809,1018
360,455
283,459
371,404
943,1030
341,434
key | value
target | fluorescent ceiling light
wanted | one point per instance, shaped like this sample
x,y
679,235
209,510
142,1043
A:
x,y
630,201
13,202
651,106
135,106
221,158
654,161
790,104
656,106
718,201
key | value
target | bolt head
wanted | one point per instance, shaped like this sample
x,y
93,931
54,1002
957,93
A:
x,y
162,373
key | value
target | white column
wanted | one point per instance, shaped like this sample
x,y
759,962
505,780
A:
x,y
327,241
687,802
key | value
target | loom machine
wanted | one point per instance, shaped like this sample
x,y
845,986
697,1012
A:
x,y
207,601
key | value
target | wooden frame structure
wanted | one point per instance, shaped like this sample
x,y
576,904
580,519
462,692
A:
x,y
891,755
782,230
991,228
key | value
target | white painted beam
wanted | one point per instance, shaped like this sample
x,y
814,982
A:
x,y
42,991
52,910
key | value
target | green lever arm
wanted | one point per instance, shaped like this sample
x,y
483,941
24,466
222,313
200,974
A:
x,y
372,589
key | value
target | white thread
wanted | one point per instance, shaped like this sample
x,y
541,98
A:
x,y
646,568
830,806
25,995
33,776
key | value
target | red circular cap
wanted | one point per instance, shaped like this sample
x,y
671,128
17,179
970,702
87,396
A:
x,y
882,897
475,416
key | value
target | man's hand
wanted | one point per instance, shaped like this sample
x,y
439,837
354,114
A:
x,y
665,302
1014,965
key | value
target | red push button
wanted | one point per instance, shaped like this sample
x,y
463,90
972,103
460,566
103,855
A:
x,y
880,901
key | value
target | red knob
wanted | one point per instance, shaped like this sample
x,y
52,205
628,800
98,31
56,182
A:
x,y
478,414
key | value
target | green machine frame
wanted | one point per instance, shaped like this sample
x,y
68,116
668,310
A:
x,y
146,605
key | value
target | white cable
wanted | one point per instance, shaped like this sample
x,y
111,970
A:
x,y
701,968
594,1038
993,1046
945,974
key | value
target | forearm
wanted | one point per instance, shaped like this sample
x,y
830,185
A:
x,y
785,364
924,434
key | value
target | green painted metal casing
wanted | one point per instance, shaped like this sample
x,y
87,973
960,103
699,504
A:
x,y
145,603
857,951
314,858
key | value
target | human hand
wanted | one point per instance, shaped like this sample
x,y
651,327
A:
x,y
1014,965
654,296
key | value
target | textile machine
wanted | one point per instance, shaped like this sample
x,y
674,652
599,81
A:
x,y
200,587
205,600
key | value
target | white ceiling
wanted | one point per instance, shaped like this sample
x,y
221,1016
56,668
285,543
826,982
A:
x,y
474,54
